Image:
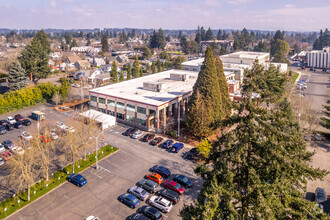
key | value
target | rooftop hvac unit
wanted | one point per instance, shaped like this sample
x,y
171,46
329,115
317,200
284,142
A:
x,y
179,77
152,86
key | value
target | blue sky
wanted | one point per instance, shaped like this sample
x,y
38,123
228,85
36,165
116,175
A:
x,y
298,15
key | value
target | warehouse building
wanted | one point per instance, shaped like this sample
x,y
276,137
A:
x,y
147,102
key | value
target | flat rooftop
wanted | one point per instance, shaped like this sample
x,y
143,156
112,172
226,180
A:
x,y
195,62
133,90
245,55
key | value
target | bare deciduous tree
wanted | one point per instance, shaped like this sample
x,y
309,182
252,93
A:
x,y
56,98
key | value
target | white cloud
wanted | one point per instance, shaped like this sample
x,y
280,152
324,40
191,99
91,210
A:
x,y
290,6
237,2
52,4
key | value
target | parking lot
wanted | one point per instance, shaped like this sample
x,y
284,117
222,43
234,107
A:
x,y
114,177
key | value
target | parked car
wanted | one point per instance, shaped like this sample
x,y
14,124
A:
x,y
170,195
148,137
138,216
167,144
156,141
26,135
26,122
149,185
157,178
5,155
53,135
3,123
17,150
2,148
163,171
11,120
8,144
150,212
3,130
129,131
18,117
77,179
18,125
45,138
170,184
320,195
161,203
177,147
139,192
60,125
92,218
10,127
137,134
129,200
183,180
2,162
69,129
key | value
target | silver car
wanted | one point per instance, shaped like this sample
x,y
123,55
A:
x,y
160,203
2,162
139,192
137,134
149,185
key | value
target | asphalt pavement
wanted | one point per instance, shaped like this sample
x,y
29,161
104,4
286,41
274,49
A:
x,y
115,176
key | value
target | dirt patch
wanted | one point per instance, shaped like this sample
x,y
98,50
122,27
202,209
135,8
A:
x,y
68,106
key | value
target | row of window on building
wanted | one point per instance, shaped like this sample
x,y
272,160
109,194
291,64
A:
x,y
120,105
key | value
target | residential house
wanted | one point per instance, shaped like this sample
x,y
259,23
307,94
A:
x,y
98,77
82,64
72,59
122,58
96,61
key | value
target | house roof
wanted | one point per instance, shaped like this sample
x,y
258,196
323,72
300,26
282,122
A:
x,y
83,62
73,59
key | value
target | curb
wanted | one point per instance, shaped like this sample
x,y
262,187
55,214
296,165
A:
x,y
57,186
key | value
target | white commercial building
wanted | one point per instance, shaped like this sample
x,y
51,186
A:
x,y
104,120
319,58
146,102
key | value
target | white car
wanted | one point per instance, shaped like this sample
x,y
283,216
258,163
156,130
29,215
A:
x,y
2,148
17,150
69,129
160,203
2,162
60,125
26,135
53,135
11,120
92,218
137,134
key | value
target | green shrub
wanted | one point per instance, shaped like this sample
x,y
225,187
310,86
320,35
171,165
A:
x,y
172,133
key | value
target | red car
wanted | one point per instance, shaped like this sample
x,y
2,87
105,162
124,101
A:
x,y
170,184
18,117
5,155
45,139
156,141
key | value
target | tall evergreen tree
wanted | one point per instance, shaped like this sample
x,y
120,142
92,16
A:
x,y
219,35
224,89
325,121
105,43
203,35
159,66
209,34
207,84
121,77
16,76
42,37
153,67
257,170
114,72
129,72
34,59
198,37
136,68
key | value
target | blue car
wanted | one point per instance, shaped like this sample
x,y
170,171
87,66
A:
x,y
177,147
130,200
168,143
183,180
163,171
77,179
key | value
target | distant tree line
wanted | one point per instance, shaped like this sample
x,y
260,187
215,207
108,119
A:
x,y
323,40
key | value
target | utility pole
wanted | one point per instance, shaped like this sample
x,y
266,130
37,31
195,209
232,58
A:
x,y
82,95
179,119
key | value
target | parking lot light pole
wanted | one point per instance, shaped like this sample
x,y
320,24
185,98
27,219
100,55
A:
x,y
96,158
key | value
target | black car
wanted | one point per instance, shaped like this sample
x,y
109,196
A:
x,y
183,180
138,216
7,144
18,124
150,212
3,122
26,122
193,153
18,117
170,195
163,171
130,131
2,130
9,127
